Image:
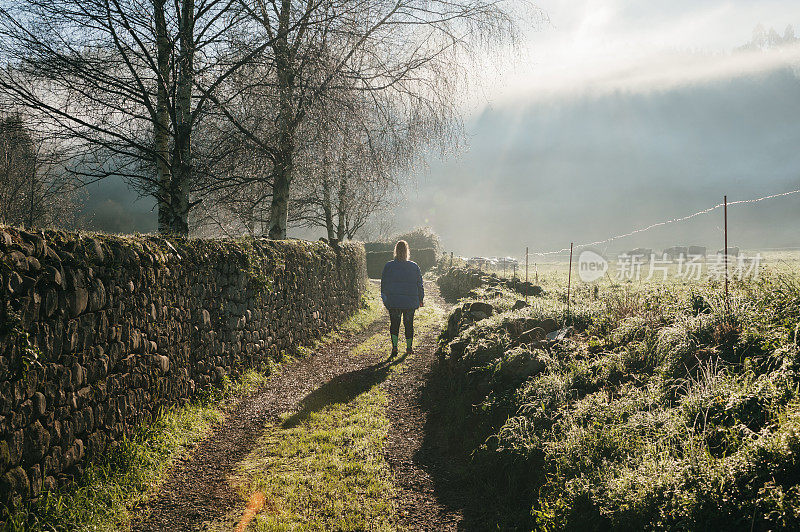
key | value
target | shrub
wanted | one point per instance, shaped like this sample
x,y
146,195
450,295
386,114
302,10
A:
x,y
458,282
376,260
373,247
420,238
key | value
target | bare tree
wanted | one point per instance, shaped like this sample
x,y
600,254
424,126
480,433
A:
x,y
35,190
407,58
235,182
346,159
341,201
127,80
767,39
130,83
346,173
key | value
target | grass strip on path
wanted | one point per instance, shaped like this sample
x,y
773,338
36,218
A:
x,y
327,471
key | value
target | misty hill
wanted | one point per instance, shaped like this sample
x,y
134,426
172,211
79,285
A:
x,y
583,167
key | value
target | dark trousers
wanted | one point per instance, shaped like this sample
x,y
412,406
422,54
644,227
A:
x,y
408,321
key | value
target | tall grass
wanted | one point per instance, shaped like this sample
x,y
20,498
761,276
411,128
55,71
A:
x,y
102,498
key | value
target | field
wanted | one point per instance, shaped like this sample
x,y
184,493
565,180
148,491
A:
x,y
553,269
665,408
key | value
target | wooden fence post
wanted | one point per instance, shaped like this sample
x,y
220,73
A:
x,y
569,277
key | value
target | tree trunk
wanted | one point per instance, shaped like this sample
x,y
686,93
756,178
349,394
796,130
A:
x,y
250,222
342,208
326,208
161,126
279,209
179,198
32,203
326,200
182,158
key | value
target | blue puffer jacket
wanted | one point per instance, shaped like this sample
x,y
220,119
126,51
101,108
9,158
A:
x,y
401,285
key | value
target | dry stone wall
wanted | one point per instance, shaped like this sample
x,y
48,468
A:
x,y
99,332
376,260
456,283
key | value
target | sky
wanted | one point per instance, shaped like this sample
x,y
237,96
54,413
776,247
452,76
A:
x,y
615,115
580,44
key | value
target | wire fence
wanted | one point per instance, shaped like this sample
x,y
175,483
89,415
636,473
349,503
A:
x,y
687,263
517,268
666,222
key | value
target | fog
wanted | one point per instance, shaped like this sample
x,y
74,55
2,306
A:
x,y
586,165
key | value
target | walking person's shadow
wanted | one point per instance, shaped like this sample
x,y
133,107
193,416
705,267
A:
x,y
342,389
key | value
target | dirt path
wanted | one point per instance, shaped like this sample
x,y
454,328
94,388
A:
x,y
417,505
197,491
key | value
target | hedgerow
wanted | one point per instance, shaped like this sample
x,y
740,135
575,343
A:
x,y
666,409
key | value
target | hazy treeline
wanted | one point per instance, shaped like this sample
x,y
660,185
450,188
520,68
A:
x,y
35,190
236,116
764,38
592,161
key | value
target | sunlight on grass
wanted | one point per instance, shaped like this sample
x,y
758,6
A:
x,y
373,344
104,496
328,471
371,310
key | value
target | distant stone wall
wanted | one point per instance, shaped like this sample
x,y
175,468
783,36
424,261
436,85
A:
x,y
97,333
456,283
376,260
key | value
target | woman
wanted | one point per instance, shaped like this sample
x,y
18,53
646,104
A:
x,y
402,294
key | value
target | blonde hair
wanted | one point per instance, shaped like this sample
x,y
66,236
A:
x,y
401,250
